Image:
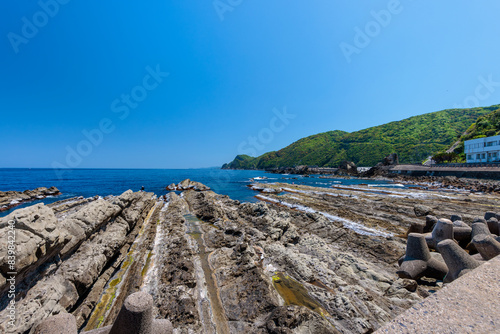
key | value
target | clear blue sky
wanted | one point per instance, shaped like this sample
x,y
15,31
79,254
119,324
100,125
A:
x,y
70,70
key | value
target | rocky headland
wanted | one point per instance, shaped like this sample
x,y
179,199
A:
x,y
301,260
11,199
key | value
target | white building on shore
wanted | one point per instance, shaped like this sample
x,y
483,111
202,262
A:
x,y
483,149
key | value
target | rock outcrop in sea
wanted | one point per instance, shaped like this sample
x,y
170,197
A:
x,y
11,199
187,185
302,260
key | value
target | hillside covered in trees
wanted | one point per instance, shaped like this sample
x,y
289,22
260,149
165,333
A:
x,y
485,126
413,139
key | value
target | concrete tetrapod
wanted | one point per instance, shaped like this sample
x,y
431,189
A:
x,y
418,260
442,230
479,228
416,227
493,226
479,220
457,260
136,317
487,246
489,215
461,231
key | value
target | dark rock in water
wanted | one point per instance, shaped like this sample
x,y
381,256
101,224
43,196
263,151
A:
x,y
382,168
10,199
347,168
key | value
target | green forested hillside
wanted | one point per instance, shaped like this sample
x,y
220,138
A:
x,y
485,126
414,139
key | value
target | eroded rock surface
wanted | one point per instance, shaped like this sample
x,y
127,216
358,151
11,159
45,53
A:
x,y
59,258
247,246
303,260
187,185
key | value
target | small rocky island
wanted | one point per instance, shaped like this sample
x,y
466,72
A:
x,y
301,260
11,199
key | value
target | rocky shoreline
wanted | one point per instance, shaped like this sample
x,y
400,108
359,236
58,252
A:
x,y
302,260
381,171
449,183
11,199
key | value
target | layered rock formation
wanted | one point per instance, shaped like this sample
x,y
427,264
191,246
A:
x,y
186,185
240,264
307,260
61,255
10,199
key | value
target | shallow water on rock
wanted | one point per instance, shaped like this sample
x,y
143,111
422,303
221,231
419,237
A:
x,y
151,271
193,225
294,293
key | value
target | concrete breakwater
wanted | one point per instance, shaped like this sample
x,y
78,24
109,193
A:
x,y
325,263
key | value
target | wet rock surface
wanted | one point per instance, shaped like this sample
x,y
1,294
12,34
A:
x,y
302,260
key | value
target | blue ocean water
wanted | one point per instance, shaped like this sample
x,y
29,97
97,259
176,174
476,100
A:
x,y
103,182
